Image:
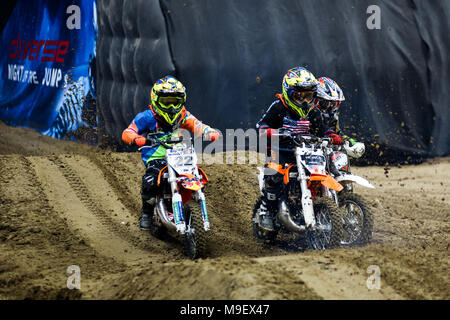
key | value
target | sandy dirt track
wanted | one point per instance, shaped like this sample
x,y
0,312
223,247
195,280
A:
x,y
64,203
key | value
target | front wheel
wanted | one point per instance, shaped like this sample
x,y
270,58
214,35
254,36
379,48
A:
x,y
195,235
358,219
328,233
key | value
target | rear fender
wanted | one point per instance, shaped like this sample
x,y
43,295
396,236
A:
x,y
349,178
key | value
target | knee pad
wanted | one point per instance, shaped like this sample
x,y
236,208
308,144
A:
x,y
150,178
149,183
273,186
273,181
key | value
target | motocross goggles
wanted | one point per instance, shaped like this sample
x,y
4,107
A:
x,y
169,108
303,96
167,103
327,105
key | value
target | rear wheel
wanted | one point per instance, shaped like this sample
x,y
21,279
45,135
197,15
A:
x,y
261,235
329,226
195,236
357,219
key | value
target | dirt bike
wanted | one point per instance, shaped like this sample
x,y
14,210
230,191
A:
x,y
358,218
304,206
180,203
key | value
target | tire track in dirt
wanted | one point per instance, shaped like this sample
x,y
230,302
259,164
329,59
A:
x,y
100,195
121,191
104,197
36,242
66,191
91,203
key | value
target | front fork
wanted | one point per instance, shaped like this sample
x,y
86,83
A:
x,y
307,204
177,202
332,194
200,197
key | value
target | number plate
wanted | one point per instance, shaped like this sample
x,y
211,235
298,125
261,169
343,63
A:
x,y
182,161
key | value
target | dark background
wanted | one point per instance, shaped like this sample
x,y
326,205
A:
x,y
6,9
231,55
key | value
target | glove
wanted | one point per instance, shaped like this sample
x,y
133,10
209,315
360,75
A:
x,y
270,132
355,151
352,142
140,141
212,135
335,138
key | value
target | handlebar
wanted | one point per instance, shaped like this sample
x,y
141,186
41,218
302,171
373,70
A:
x,y
300,137
165,145
152,141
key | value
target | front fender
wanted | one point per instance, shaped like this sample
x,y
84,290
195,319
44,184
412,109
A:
x,y
190,182
347,178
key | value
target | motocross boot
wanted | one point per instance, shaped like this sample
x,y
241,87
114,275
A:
x,y
146,216
144,221
148,206
271,194
266,217
148,191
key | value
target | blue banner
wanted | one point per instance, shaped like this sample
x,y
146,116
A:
x,y
47,66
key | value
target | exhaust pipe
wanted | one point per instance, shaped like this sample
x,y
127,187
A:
x,y
285,218
162,213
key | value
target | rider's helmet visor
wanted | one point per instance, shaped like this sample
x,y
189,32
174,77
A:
x,y
303,96
328,105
